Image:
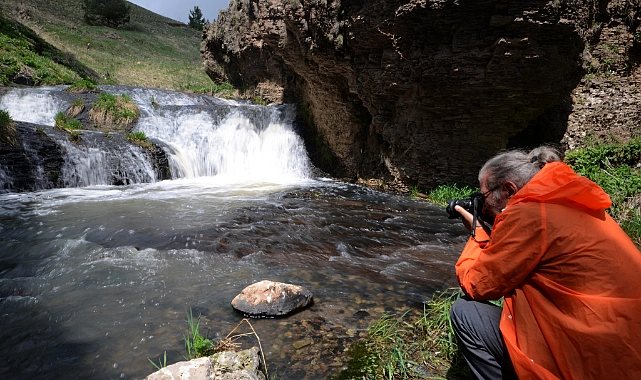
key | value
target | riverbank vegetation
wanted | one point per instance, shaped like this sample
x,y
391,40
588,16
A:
x,y
616,168
404,347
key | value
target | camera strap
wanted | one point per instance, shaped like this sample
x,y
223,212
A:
x,y
475,216
478,204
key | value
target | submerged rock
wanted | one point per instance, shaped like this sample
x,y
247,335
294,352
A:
x,y
268,298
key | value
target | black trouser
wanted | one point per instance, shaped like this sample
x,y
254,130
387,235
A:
x,y
476,326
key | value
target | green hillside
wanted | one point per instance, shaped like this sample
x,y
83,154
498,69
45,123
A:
x,y
150,50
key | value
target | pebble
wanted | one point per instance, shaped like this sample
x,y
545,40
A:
x,y
302,343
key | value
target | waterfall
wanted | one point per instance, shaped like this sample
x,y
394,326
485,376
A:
x,y
203,136
233,141
33,105
98,163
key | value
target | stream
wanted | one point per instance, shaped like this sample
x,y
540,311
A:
x,y
97,279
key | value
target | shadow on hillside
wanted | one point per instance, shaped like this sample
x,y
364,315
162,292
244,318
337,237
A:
x,y
16,30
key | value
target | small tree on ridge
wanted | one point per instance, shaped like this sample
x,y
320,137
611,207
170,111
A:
x,y
196,19
106,12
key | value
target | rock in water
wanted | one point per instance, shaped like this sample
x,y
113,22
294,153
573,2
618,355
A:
x,y
227,365
268,298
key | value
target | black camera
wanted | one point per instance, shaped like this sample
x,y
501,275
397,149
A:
x,y
474,205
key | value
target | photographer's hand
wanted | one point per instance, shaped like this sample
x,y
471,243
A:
x,y
467,218
481,232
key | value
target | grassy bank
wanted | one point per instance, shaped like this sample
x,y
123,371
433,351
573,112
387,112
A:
x,y
150,50
410,346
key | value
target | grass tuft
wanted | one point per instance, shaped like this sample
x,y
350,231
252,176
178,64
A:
x,y
141,139
63,123
82,86
76,108
111,110
443,193
197,346
399,348
161,363
8,133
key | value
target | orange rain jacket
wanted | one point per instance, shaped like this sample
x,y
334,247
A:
x,y
570,276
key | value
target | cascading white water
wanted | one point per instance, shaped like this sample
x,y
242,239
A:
x,y
204,136
91,163
33,105
232,141
98,164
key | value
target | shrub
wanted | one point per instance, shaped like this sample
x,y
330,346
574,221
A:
x,y
111,13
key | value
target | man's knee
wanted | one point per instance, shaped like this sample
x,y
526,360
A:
x,y
457,311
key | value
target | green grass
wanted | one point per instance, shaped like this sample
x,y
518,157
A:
x,y
223,90
196,346
111,109
64,123
401,347
82,86
5,118
140,139
151,50
8,134
443,193
161,363
614,168
22,51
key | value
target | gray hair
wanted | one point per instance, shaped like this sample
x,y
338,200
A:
x,y
517,166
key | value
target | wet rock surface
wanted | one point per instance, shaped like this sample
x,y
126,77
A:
x,y
38,162
270,299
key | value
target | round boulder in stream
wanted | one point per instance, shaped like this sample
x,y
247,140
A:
x,y
271,299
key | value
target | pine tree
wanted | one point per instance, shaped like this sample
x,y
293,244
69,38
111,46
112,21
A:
x,y
106,12
196,19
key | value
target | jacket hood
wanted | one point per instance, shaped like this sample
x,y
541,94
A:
x,y
558,183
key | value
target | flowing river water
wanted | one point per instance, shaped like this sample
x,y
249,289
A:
x,y
96,279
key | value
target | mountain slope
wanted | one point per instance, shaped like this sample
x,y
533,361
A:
x,y
151,50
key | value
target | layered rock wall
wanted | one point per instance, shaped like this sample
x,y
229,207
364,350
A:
x,y
418,92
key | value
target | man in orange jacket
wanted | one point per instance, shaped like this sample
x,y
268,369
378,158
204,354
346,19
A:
x,y
569,275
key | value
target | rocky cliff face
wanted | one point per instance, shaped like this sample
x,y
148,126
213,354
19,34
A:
x,y
414,92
